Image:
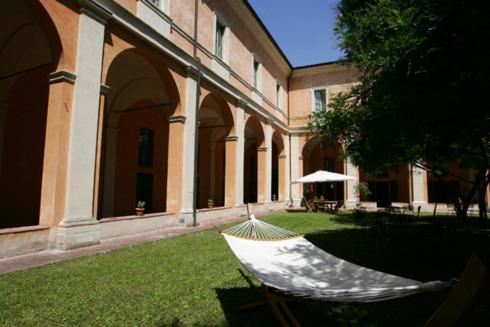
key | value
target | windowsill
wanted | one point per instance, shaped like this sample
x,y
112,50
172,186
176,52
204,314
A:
x,y
23,229
212,209
159,11
134,217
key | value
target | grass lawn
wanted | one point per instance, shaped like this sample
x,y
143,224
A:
x,y
193,280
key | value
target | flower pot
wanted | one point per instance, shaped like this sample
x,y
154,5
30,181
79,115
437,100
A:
x,y
140,211
210,205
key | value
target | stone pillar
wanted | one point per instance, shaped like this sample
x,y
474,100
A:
x,y
351,196
281,163
100,135
296,169
190,147
287,171
55,148
262,175
230,170
78,227
175,162
419,187
240,152
268,162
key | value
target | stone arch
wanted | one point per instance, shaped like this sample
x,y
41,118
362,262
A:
x,y
142,95
319,154
30,49
215,125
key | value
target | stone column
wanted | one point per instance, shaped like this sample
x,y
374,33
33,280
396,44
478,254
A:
x,y
268,162
230,170
281,163
189,148
175,162
240,152
55,154
261,175
78,227
296,169
419,187
100,130
287,170
351,196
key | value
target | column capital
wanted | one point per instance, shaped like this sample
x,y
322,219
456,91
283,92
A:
x,y
104,89
95,11
231,138
177,119
192,72
282,156
241,103
262,149
62,76
301,158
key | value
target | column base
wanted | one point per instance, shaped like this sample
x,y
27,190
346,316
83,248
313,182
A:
x,y
186,218
350,204
296,203
240,210
77,233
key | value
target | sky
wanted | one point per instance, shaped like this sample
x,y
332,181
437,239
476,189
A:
x,y
302,28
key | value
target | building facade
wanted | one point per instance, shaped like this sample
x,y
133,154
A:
x,y
109,103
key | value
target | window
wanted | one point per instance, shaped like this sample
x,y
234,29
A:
x,y
145,148
329,164
220,40
278,95
320,98
256,68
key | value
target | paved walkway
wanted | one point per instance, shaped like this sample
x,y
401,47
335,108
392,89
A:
x,y
50,256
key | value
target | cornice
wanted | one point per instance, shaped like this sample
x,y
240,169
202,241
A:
x,y
256,29
321,69
62,76
95,11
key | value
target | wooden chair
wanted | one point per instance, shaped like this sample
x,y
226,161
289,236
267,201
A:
x,y
472,280
308,207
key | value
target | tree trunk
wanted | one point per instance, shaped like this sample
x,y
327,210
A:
x,y
464,201
482,192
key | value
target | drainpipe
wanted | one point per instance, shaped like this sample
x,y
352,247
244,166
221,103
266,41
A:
x,y
196,125
290,160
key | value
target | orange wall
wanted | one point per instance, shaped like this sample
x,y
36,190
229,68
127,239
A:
x,y
334,77
127,160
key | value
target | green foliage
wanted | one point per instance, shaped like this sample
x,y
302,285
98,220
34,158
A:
x,y
141,204
422,97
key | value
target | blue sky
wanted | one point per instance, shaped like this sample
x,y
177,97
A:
x,y
302,28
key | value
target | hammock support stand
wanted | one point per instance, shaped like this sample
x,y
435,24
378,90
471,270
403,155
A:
x,y
259,247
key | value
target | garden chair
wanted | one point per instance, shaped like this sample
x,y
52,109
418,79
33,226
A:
x,y
308,206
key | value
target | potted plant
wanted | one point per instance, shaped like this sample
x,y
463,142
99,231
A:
x,y
210,203
362,190
140,208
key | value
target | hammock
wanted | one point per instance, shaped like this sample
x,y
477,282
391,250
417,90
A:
x,y
287,262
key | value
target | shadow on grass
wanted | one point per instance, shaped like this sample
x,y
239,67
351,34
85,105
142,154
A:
x,y
421,251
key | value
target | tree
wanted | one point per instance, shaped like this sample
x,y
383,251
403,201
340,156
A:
x,y
423,93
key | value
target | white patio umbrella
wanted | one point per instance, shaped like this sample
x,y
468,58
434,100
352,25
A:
x,y
323,176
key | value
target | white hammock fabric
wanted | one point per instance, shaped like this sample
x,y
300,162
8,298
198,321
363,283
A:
x,y
291,264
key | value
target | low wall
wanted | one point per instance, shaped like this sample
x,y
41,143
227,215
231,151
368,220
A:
x,y
123,226
23,240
